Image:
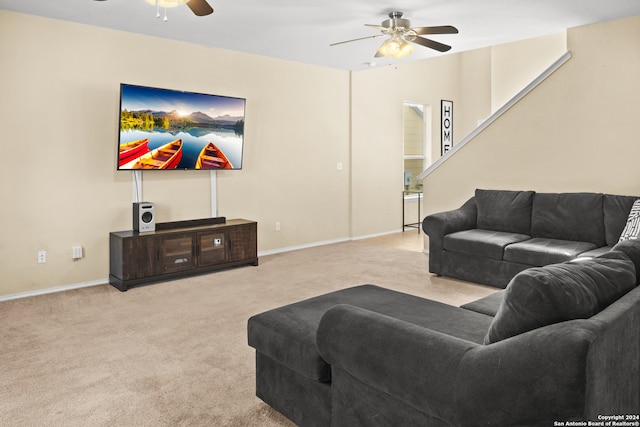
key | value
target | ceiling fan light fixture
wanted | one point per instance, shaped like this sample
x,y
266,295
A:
x,y
390,47
167,3
405,50
396,47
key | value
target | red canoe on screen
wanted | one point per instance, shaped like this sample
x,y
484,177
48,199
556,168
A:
x,y
165,157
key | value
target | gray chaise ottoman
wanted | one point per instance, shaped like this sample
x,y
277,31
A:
x,y
290,374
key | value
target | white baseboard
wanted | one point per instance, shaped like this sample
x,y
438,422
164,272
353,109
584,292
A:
x,y
305,246
369,236
325,242
53,290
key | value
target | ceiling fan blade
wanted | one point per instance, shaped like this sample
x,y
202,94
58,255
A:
x,y
355,40
377,27
200,7
430,44
443,29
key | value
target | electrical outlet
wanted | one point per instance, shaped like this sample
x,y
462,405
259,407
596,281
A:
x,y
277,225
76,252
42,257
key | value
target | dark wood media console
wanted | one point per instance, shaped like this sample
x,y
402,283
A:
x,y
179,249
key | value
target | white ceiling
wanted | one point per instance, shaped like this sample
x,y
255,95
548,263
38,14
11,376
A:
x,y
302,30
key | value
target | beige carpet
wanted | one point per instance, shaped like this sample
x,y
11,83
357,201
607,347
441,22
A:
x,y
175,353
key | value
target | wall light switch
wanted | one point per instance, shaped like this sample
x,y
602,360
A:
x,y
76,252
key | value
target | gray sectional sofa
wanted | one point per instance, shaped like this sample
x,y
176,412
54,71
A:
x,y
498,233
560,343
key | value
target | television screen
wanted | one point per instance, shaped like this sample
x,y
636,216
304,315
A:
x,y
169,129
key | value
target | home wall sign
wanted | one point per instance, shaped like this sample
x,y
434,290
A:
x,y
446,110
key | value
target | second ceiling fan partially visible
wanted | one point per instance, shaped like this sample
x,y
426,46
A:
x,y
198,7
402,35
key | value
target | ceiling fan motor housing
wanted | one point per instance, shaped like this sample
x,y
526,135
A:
x,y
395,21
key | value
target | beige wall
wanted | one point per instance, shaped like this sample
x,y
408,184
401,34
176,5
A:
x,y
377,126
475,94
59,114
515,65
577,131
59,109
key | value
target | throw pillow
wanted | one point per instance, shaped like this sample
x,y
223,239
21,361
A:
x,y
631,248
504,210
554,293
631,231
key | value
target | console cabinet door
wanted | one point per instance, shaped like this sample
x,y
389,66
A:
x,y
176,252
138,258
242,242
212,248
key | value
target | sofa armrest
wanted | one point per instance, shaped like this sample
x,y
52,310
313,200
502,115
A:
x,y
533,378
414,364
440,224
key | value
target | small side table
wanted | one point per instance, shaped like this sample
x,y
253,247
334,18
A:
x,y
413,224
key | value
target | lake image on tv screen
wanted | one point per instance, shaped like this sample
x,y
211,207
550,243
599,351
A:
x,y
166,129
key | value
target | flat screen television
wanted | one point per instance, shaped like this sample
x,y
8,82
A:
x,y
170,129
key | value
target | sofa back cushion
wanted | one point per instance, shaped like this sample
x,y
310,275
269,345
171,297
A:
x,y
554,293
569,216
504,210
616,212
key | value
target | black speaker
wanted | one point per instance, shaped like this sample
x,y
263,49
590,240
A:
x,y
144,218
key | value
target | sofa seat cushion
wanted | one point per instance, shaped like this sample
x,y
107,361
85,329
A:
x,y
595,252
488,305
543,251
288,334
482,243
555,293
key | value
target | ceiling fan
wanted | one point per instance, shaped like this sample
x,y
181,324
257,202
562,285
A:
x,y
198,7
401,35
